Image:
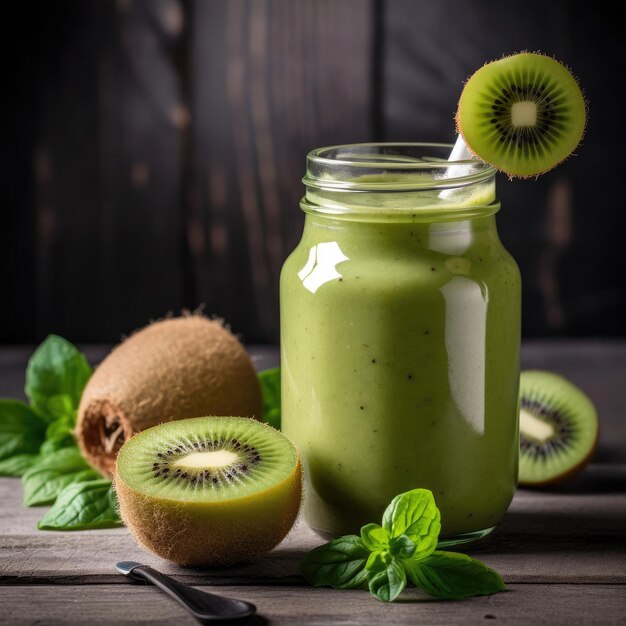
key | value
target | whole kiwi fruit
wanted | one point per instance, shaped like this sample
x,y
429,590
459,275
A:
x,y
171,369
210,490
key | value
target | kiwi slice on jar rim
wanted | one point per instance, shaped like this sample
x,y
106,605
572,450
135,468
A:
x,y
523,114
209,490
558,428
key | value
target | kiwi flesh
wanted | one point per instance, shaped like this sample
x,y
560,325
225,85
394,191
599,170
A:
x,y
209,491
558,428
172,369
523,114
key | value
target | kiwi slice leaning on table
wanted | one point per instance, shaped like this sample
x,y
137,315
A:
x,y
558,428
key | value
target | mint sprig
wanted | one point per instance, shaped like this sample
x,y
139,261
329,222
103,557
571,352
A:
x,y
384,558
339,564
453,576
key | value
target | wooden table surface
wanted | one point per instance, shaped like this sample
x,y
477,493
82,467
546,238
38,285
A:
x,y
561,552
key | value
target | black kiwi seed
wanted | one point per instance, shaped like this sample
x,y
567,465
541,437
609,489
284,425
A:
x,y
523,136
249,456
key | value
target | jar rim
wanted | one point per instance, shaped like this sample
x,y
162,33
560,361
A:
x,y
339,167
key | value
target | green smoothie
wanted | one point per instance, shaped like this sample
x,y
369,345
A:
x,y
400,333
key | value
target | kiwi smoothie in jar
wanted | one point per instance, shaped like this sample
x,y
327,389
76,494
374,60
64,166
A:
x,y
400,339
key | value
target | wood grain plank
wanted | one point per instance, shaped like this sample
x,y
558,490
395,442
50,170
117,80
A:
x,y
136,604
544,537
272,80
105,232
575,533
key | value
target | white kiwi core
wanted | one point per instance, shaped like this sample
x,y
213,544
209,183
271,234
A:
x,y
208,459
524,114
534,428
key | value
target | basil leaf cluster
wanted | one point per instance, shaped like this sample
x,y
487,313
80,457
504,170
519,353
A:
x,y
38,444
82,506
384,558
270,388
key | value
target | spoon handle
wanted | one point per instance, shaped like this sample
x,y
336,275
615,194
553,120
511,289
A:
x,y
205,607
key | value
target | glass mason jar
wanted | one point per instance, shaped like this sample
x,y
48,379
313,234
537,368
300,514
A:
x,y
400,339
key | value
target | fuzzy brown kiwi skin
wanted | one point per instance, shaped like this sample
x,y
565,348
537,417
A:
x,y
459,130
212,534
544,484
171,369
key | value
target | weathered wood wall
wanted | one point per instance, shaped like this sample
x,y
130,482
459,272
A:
x,y
151,151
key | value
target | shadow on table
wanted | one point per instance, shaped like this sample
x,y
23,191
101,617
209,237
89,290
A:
x,y
531,532
596,478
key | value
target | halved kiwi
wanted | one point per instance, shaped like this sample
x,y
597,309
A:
x,y
209,490
558,428
524,114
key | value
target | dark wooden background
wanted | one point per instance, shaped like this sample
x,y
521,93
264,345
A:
x,y
151,150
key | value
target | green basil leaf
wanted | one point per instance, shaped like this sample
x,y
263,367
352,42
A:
x,y
415,515
270,386
60,406
339,564
61,426
55,377
83,506
18,464
58,442
44,481
378,561
374,537
453,576
21,429
387,585
402,547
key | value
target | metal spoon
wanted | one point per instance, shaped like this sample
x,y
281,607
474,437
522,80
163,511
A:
x,y
205,607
